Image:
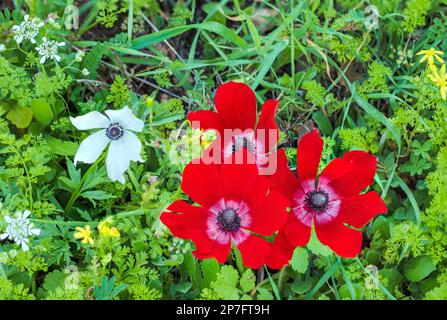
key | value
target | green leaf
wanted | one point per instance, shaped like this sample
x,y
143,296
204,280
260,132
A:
x,y
300,260
97,195
264,294
268,61
20,116
301,287
183,287
163,119
225,285
316,247
418,268
157,37
323,122
53,280
42,111
61,147
392,276
377,115
413,201
345,293
248,280
210,269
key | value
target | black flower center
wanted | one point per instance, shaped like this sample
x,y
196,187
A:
x,y
317,200
244,142
229,220
114,131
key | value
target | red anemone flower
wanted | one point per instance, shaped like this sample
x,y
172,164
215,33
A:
x,y
327,201
236,110
236,205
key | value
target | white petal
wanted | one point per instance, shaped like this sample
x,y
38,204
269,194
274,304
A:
x,y
58,58
126,118
26,17
42,60
8,219
91,120
4,236
26,214
92,147
133,146
24,246
35,231
117,161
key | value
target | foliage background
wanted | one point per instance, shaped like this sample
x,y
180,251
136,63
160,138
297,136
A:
x,y
362,88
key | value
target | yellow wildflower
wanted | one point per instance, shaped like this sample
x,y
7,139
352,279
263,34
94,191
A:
x,y
105,230
430,55
85,234
439,78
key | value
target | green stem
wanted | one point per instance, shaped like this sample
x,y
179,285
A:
x,y
238,259
2,271
78,190
282,278
263,282
30,186
125,214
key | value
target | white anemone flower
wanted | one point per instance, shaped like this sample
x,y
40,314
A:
x,y
28,29
48,50
19,229
115,130
2,47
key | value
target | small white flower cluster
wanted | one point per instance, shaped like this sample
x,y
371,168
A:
x,y
2,47
48,50
28,29
79,56
19,229
177,247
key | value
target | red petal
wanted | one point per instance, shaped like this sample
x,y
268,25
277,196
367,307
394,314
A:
x,y
183,214
351,174
344,241
270,215
296,233
309,152
283,180
217,251
236,104
202,183
359,210
188,222
337,168
240,181
254,251
282,252
205,119
268,124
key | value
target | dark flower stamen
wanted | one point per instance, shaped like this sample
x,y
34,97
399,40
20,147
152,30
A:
x,y
229,220
114,131
317,200
244,142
